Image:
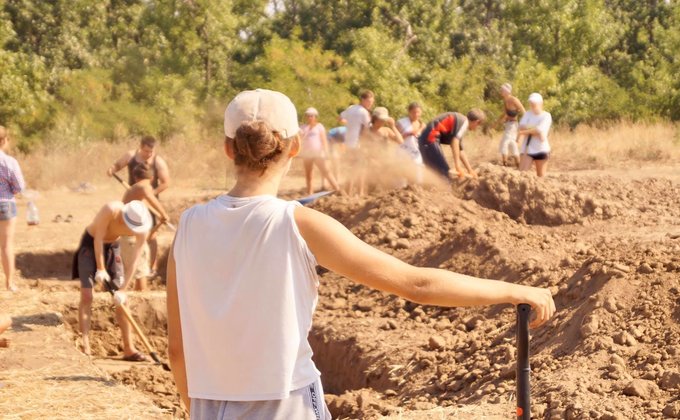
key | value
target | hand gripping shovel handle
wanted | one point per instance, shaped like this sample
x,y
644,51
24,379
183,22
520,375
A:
x,y
140,333
151,209
523,390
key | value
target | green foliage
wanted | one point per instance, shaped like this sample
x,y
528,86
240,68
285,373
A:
x,y
310,76
23,99
74,70
383,66
588,96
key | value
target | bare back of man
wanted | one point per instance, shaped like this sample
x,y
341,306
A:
x,y
98,258
143,191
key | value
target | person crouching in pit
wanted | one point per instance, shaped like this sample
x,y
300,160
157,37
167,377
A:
x,y
98,260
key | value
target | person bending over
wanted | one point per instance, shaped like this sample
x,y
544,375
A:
x,y
98,260
533,130
242,285
449,128
142,190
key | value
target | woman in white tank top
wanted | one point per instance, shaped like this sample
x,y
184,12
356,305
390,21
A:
x,y
242,286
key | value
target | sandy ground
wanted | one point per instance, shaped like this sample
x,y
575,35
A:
x,y
607,243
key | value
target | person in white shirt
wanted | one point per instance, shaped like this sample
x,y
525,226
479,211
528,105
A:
x,y
533,135
242,284
357,119
410,128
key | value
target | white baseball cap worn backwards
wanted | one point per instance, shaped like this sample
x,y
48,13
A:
x,y
274,108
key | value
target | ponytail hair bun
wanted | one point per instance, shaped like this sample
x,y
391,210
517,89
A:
x,y
256,146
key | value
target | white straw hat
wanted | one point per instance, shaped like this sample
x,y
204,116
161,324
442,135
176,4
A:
x,y
312,111
137,217
274,108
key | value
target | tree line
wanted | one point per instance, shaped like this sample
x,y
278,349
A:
x,y
75,70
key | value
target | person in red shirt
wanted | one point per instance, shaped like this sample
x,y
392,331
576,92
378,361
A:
x,y
449,128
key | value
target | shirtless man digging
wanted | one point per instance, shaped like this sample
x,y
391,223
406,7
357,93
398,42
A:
x,y
98,260
146,153
142,190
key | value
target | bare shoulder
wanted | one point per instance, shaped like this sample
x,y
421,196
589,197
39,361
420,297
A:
x,y
161,162
113,205
137,192
306,217
310,221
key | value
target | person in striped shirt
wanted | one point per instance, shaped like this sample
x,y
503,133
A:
x,y
11,184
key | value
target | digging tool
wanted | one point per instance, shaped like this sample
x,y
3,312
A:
x,y
311,198
523,390
139,332
151,209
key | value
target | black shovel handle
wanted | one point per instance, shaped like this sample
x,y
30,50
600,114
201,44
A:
x,y
523,368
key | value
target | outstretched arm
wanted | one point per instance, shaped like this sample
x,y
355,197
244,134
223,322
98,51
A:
x,y
175,346
455,148
153,202
337,249
466,163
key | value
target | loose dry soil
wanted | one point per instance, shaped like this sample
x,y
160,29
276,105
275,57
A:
x,y
607,246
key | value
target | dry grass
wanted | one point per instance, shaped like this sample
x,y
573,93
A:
x,y
202,164
43,376
199,164
40,394
620,145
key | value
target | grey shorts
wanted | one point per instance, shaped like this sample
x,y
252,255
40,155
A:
x,y
303,404
8,210
85,265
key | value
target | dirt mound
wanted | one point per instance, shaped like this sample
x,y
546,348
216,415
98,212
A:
x,y
532,200
616,334
155,382
150,313
612,352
